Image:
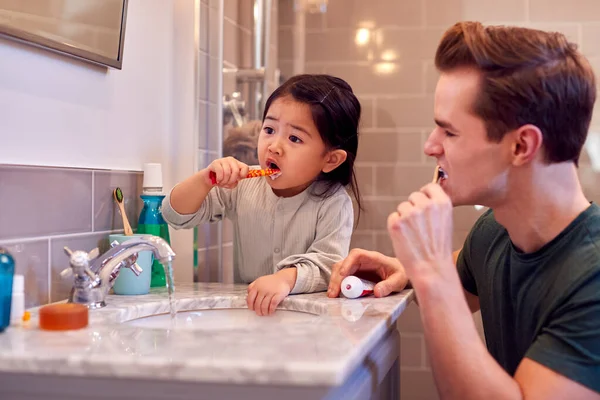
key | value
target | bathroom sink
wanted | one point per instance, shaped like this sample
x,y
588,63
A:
x,y
221,319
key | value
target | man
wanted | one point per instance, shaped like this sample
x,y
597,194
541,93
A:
x,y
512,111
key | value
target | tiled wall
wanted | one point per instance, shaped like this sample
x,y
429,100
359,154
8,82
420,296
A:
x,y
393,74
209,106
44,209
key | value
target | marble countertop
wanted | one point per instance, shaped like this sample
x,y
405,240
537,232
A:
x,y
323,351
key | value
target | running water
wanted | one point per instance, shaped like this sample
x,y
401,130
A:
x,y
171,289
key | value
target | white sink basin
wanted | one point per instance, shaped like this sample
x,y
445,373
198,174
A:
x,y
221,319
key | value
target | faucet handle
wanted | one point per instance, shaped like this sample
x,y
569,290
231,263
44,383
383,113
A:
x,y
133,265
68,273
79,263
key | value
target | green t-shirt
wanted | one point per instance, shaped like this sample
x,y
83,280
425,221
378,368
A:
x,y
543,305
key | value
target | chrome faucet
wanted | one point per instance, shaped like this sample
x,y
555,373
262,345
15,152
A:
x,y
94,276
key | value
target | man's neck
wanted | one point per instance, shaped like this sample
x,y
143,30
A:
x,y
544,203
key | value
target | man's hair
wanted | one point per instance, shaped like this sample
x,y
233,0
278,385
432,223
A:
x,y
527,77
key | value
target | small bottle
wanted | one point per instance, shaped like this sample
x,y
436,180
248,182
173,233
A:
x,y
17,307
353,287
7,271
151,220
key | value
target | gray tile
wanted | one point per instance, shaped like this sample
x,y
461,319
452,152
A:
x,y
227,262
44,201
227,231
106,213
231,35
213,238
203,76
31,260
207,266
417,385
214,69
59,288
362,240
202,125
204,27
215,117
286,13
246,14
214,27
208,235
203,235
411,350
410,320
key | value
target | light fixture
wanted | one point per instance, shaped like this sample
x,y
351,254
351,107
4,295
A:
x,y
385,68
362,36
311,6
389,55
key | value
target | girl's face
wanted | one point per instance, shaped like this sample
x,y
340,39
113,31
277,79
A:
x,y
289,140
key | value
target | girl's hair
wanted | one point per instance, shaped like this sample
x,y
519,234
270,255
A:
x,y
336,114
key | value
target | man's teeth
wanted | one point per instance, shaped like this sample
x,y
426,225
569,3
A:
x,y
442,174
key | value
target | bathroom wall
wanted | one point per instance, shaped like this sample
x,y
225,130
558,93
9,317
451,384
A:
x,y
210,55
71,132
385,50
63,112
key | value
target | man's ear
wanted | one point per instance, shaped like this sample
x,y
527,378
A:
x,y
527,142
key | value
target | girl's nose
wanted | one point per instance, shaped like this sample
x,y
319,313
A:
x,y
275,145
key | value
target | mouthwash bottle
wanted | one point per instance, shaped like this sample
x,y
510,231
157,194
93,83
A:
x,y
7,271
151,220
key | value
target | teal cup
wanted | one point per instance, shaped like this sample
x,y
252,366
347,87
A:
x,y
127,283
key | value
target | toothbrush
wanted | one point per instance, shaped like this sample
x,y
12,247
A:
x,y
438,174
118,196
253,173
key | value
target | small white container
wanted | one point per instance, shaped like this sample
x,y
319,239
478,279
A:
x,y
354,287
17,306
152,181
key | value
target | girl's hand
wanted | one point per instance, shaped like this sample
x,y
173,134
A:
x,y
228,172
265,293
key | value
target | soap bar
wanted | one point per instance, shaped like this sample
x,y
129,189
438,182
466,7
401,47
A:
x,y
64,316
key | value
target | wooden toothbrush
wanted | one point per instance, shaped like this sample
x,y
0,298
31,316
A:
x,y
118,195
436,174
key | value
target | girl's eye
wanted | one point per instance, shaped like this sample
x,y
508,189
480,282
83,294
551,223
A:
x,y
268,130
449,134
295,139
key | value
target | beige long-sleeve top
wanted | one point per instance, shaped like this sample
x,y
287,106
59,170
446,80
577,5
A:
x,y
272,233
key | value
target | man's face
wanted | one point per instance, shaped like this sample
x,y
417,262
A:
x,y
476,168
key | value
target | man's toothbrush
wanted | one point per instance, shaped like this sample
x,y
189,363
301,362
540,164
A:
x,y
253,173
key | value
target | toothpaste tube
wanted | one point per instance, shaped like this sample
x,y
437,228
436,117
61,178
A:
x,y
354,287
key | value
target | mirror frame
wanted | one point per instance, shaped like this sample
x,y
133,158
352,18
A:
x,y
42,42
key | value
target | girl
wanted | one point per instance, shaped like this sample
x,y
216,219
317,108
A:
x,y
288,231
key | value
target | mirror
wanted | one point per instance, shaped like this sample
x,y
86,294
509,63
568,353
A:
x,y
249,75
91,30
